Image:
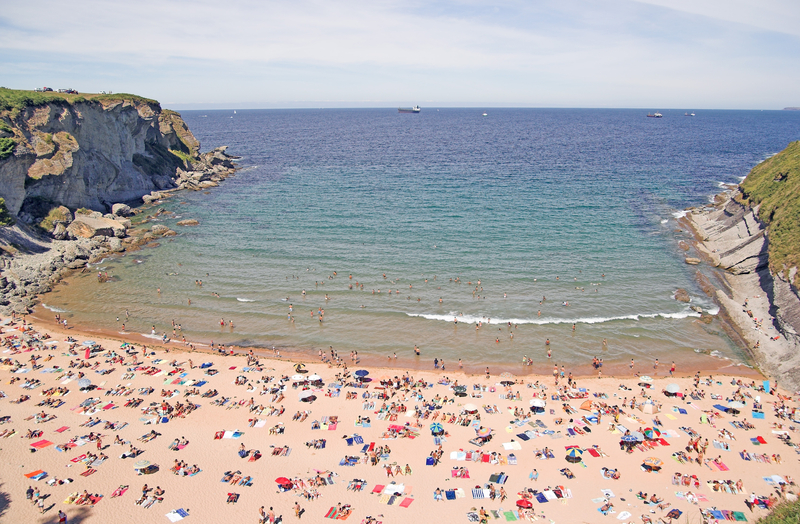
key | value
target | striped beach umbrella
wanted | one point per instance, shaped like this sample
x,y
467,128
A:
x,y
652,433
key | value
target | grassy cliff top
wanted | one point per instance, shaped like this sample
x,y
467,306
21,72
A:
x,y
18,99
775,185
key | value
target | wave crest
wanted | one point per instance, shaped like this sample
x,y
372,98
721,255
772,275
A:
x,y
474,319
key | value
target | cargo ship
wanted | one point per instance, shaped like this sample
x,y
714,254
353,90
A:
x,y
415,109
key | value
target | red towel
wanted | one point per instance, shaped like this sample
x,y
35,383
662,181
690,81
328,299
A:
x,y
663,442
406,502
62,429
34,473
761,440
41,444
593,452
378,488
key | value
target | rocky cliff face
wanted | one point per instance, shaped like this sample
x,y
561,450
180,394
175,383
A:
x,y
92,154
735,240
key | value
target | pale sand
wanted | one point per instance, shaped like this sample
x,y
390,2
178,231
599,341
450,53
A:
x,y
205,496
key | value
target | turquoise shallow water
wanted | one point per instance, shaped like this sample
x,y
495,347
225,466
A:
x,y
572,205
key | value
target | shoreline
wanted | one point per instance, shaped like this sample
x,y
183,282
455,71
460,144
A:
x,y
619,370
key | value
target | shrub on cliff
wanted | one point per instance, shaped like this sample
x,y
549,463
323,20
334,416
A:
x,y
774,184
5,217
7,147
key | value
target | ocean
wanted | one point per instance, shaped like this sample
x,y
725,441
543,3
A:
x,y
546,224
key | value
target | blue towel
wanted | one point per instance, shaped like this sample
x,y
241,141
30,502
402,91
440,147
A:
x,y
541,498
357,439
450,495
429,461
478,494
349,441
523,436
365,448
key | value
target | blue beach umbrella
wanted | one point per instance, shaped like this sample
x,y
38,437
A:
x,y
629,438
361,373
436,428
88,342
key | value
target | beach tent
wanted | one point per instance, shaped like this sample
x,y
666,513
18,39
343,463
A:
x,y
649,407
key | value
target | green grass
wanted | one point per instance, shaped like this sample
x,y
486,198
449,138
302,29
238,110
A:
x,y
5,127
5,217
15,100
7,146
786,513
186,157
775,185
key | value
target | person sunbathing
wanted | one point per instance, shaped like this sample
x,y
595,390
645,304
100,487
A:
x,y
655,500
605,508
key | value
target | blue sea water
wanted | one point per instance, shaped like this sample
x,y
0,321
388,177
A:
x,y
468,216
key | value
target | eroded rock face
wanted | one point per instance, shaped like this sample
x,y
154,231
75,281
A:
x,y
90,155
121,210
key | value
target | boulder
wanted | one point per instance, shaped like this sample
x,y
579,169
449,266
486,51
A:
x,y
692,261
159,229
681,295
60,232
121,210
89,227
115,245
188,222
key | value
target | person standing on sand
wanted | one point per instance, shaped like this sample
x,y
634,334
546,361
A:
x,y
631,363
62,517
298,512
672,368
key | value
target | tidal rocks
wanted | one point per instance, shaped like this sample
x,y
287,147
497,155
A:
x,y
188,222
681,295
692,261
121,210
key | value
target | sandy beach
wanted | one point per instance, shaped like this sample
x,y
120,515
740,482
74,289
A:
x,y
323,451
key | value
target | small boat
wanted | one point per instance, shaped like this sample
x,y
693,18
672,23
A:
x,y
654,115
485,114
415,109
689,114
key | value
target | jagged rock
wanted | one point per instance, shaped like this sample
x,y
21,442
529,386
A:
x,y
169,233
681,295
121,210
159,229
88,227
692,261
124,222
205,184
188,222
696,309
60,232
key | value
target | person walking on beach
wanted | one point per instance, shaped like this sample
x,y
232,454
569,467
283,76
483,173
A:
x,y
631,363
672,368
298,512
62,517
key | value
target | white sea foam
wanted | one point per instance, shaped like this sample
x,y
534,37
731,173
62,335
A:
x,y
244,299
473,319
664,220
713,311
680,214
54,309
154,337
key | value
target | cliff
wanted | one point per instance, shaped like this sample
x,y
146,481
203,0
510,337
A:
x,y
753,235
89,151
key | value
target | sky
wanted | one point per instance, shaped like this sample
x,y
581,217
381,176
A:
x,y
201,54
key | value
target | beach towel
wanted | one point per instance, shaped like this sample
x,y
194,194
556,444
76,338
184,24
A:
x,y
593,452
523,436
478,493
758,414
331,514
541,498
41,444
406,502
33,474
624,515
509,515
378,488
62,429
761,440
739,516
450,495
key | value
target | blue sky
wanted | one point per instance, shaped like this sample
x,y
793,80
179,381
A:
x,y
654,54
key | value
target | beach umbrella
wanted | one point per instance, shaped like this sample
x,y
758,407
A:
x,y
672,388
574,455
282,480
460,389
522,503
483,431
645,378
652,433
89,342
298,367
84,383
141,464
735,404
587,405
648,407
314,377
436,428
538,403
298,378
306,393
629,438
470,408
310,398
654,462
639,437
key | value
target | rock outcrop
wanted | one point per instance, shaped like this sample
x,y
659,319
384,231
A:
x,y
733,239
94,153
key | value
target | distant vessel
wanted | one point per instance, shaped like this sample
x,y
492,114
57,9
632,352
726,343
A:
x,y
689,114
415,109
654,115
485,114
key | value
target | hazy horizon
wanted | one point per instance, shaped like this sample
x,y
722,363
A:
x,y
654,54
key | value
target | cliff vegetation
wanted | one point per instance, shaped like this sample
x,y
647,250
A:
x,y
774,185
